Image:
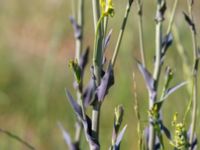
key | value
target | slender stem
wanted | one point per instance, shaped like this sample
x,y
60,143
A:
x,y
141,35
97,63
120,36
195,75
73,4
171,21
97,55
96,12
182,52
95,121
15,137
79,46
78,132
80,21
137,111
158,53
157,68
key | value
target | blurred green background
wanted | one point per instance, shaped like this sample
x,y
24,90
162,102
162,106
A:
x,y
36,42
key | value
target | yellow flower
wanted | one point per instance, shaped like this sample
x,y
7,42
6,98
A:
x,y
107,7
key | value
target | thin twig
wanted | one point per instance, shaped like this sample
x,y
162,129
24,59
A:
x,y
140,142
120,36
141,35
195,79
17,138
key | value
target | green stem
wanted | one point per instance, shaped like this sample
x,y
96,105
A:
x,y
157,70
96,12
195,76
171,21
80,21
73,4
15,137
139,128
120,36
79,46
141,35
78,131
97,63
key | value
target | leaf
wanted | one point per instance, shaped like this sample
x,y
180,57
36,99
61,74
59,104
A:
x,y
93,143
119,138
84,59
106,82
89,92
173,89
107,39
67,138
194,144
76,70
147,77
168,93
74,105
77,28
196,65
166,131
190,22
86,123
166,43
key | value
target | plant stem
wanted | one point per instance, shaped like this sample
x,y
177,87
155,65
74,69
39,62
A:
x,y
97,63
141,36
97,55
96,12
79,46
95,121
73,4
80,21
120,36
195,79
171,21
139,129
157,68
15,137
79,128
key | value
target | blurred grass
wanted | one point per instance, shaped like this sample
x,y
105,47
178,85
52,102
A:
x,y
36,42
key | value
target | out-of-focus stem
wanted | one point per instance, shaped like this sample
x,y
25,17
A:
x,y
171,21
140,142
120,36
96,12
141,35
182,52
195,79
15,137
80,21
73,4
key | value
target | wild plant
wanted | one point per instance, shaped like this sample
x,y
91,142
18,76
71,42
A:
x,y
183,137
93,94
102,76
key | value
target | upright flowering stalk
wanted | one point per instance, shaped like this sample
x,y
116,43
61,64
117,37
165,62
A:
x,y
156,127
102,78
196,57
